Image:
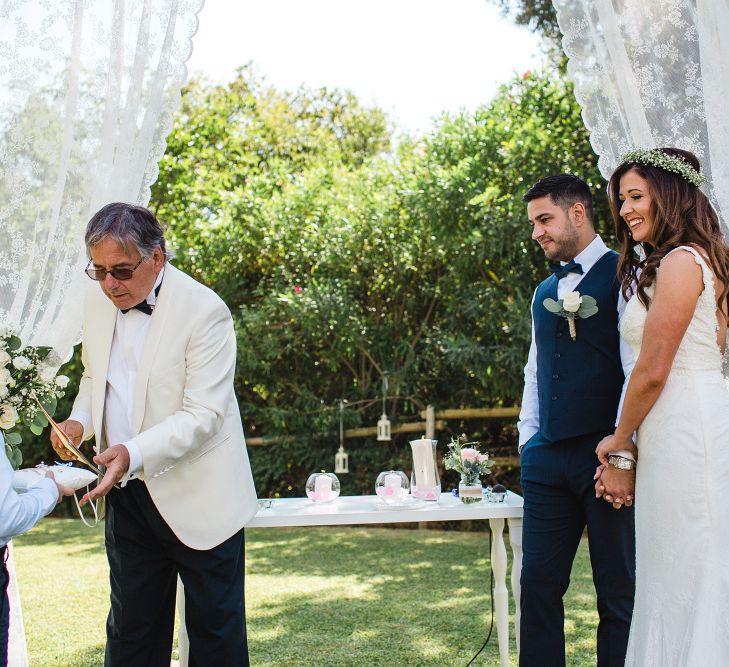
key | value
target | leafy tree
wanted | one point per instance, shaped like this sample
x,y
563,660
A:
x,y
415,261
539,15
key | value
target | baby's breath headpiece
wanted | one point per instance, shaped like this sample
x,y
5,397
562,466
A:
x,y
673,163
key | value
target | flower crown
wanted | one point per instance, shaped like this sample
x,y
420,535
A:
x,y
673,163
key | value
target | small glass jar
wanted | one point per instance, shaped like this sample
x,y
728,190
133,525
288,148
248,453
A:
x,y
470,489
495,494
392,487
323,487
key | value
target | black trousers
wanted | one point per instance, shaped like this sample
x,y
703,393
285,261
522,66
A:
x,y
145,557
559,501
4,607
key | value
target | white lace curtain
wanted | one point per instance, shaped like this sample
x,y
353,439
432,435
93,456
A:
x,y
88,89
653,73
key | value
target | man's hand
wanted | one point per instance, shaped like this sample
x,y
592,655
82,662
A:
x,y
615,486
63,490
116,461
74,430
613,443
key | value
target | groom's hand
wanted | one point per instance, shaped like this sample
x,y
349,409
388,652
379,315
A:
x,y
615,486
116,461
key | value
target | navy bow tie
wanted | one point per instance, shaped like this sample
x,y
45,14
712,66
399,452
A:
x,y
561,271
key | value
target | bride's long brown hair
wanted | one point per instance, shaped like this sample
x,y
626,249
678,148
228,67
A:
x,y
682,215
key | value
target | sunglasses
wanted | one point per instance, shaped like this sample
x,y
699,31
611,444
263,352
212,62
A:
x,y
118,274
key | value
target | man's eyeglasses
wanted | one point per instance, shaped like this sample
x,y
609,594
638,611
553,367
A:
x,y
119,274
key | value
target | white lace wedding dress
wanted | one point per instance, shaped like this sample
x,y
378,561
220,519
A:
x,y
681,614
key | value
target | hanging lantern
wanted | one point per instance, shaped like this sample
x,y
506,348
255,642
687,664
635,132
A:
x,y
383,424
383,429
341,461
341,458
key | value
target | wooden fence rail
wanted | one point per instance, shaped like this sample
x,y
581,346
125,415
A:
x,y
434,421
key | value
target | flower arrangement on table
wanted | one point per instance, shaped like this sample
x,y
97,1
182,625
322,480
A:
x,y
25,380
465,458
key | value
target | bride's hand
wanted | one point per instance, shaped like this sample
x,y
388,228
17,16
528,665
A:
x,y
615,443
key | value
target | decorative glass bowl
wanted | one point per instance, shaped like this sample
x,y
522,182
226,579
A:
x,y
323,487
494,494
392,487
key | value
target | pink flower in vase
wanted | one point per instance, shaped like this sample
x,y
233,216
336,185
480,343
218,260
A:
x,y
469,454
482,458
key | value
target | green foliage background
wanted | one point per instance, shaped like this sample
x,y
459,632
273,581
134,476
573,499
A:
x,y
345,252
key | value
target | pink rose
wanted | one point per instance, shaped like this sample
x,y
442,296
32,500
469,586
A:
x,y
297,289
482,458
469,454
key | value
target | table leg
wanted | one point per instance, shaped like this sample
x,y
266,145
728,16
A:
x,y
515,526
501,594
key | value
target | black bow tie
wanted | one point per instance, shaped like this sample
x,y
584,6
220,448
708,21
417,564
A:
x,y
561,271
144,306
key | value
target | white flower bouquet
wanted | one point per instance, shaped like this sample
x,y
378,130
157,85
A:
x,y
25,380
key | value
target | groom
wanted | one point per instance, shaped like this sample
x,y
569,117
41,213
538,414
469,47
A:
x,y
157,394
572,390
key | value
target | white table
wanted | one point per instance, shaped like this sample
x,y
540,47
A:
x,y
368,509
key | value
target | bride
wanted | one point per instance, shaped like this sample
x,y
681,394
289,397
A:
x,y
678,402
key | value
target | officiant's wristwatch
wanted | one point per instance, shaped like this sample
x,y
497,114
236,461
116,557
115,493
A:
x,y
620,462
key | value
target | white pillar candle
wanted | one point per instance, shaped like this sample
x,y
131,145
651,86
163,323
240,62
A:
x,y
393,486
423,463
393,481
323,487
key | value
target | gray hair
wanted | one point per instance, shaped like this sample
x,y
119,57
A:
x,y
127,224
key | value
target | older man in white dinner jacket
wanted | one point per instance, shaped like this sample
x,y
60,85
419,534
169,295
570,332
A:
x,y
157,392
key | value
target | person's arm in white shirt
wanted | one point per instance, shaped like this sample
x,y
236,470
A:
x,y
528,423
19,512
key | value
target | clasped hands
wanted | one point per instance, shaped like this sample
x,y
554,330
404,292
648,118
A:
x,y
115,459
615,486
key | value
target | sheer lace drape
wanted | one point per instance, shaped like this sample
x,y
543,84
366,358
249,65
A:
x,y
89,88
653,73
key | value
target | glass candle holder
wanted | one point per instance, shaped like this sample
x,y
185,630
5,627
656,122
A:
x,y
425,484
323,487
392,487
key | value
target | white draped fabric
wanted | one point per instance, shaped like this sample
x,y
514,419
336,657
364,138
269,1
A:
x,y
653,73
89,89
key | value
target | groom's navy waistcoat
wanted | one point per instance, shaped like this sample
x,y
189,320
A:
x,y
579,381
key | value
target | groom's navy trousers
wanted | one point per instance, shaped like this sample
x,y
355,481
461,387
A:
x,y
559,502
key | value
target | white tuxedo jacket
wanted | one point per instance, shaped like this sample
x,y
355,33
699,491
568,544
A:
x,y
185,416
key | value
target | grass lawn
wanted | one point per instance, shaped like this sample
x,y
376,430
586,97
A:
x,y
350,597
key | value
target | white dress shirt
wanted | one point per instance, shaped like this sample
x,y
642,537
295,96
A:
x,y
130,333
21,511
529,416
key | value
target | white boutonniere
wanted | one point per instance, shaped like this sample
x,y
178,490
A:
x,y
572,306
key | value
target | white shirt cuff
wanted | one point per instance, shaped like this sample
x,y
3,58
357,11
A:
x,y
83,418
136,463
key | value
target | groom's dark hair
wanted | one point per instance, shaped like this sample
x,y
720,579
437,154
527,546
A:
x,y
564,190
